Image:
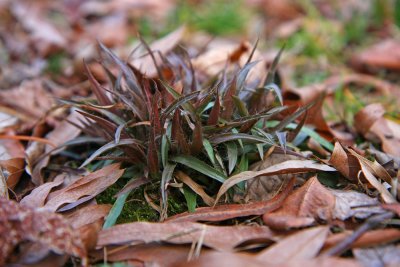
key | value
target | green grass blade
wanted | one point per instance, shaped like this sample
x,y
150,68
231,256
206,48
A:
x,y
109,146
191,199
209,149
200,166
165,178
115,210
232,155
226,137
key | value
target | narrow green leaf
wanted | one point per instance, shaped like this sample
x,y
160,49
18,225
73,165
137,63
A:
x,y
244,163
242,75
309,132
290,166
226,137
117,135
214,113
187,106
232,155
220,166
109,146
274,87
209,149
191,198
271,73
200,166
115,210
165,178
260,148
282,139
241,106
164,150
291,117
179,102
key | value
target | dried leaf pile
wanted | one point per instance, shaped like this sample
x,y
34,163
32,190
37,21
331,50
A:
x,y
121,149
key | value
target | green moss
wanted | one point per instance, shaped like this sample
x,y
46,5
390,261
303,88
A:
x,y
135,209
54,63
219,17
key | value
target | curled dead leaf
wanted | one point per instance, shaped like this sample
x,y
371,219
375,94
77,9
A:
x,y
310,202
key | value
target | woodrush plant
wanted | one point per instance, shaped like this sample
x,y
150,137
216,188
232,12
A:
x,y
199,136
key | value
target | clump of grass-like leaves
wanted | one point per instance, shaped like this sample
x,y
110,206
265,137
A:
x,y
193,139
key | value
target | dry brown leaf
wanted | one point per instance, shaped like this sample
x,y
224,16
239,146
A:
x,y
354,204
195,187
289,166
37,197
88,186
229,211
12,156
365,118
310,202
265,187
243,259
220,52
370,122
388,132
395,207
372,171
281,10
88,215
223,259
223,238
20,224
378,256
344,162
162,46
322,262
302,245
383,55
63,133
368,239
147,255
307,94
44,36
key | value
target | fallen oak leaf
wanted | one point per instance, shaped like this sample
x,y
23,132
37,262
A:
x,y
290,166
88,186
310,202
229,211
222,238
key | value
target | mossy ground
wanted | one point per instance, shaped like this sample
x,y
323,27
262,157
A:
x,y
136,208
